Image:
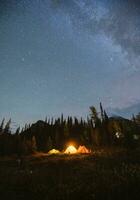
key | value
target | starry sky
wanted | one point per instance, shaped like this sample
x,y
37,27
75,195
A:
x,y
62,56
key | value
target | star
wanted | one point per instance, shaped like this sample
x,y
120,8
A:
x,y
22,59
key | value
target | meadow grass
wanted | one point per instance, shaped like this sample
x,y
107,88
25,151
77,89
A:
x,y
104,174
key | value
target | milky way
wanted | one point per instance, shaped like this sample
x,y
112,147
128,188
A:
x,y
62,56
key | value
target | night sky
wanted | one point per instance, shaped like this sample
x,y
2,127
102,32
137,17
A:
x,y
62,56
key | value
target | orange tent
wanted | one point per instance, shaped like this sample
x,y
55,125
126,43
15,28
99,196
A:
x,y
83,149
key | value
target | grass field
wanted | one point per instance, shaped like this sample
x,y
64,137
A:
x,y
100,175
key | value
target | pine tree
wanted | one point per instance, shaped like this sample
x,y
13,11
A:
x,y
46,120
102,112
94,116
17,131
105,116
7,127
62,119
2,125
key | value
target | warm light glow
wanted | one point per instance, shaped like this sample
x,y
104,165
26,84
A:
x,y
83,149
53,151
71,150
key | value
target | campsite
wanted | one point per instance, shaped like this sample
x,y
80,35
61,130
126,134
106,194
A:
x,y
69,99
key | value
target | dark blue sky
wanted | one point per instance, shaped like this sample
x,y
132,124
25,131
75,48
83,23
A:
x,y
62,56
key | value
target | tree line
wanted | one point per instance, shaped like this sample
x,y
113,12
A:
x,y
98,130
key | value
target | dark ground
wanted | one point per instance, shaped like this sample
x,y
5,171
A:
x,y
101,175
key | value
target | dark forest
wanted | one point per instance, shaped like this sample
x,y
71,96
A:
x,y
98,130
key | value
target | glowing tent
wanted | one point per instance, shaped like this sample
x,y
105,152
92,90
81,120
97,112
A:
x,y
54,151
83,149
71,150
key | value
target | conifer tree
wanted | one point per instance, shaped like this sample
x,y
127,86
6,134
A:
x,y
2,125
94,116
102,112
7,127
17,131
